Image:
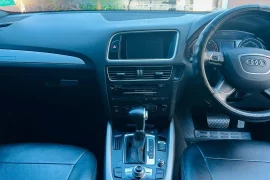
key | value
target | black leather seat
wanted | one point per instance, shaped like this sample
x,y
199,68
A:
x,y
234,160
46,161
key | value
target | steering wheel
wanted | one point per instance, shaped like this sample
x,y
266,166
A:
x,y
245,69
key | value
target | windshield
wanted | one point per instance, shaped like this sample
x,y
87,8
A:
x,y
109,5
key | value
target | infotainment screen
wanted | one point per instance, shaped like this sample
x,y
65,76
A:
x,y
148,45
139,47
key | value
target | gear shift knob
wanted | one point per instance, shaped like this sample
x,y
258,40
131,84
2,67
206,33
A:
x,y
139,115
136,151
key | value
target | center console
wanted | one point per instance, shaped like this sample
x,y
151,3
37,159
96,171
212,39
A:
x,y
140,97
140,135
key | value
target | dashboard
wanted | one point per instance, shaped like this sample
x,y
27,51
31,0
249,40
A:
x,y
136,58
228,39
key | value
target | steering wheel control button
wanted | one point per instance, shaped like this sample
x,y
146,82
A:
x,y
161,162
255,64
117,172
216,58
138,172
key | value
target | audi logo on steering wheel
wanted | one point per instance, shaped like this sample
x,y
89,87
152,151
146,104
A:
x,y
256,62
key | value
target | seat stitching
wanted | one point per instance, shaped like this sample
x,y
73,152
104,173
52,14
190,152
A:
x,y
75,164
237,160
204,160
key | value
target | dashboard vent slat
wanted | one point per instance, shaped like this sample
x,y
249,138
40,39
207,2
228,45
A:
x,y
122,73
159,73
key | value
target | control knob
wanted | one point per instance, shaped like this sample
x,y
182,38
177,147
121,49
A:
x,y
161,162
138,172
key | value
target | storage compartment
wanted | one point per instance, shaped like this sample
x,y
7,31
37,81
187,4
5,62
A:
x,y
48,105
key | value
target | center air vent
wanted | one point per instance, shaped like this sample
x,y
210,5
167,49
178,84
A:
x,y
133,73
122,73
159,73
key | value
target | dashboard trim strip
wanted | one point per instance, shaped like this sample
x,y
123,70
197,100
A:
x,y
33,57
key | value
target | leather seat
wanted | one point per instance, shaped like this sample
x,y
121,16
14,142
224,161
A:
x,y
46,161
218,160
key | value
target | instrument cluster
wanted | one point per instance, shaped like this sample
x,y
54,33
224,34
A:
x,y
227,39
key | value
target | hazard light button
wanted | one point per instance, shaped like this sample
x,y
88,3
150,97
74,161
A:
x,y
114,47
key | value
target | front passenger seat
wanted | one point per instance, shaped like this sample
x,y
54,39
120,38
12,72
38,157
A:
x,y
35,161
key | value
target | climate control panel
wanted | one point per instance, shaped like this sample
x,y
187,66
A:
x,y
143,86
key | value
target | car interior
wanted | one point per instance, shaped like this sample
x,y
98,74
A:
x,y
135,95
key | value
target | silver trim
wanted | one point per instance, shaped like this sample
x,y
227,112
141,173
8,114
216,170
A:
x,y
145,115
108,154
263,47
148,137
142,173
224,92
129,172
214,43
140,79
148,160
170,159
34,57
140,92
139,60
239,59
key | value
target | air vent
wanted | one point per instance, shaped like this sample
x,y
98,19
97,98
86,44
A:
x,y
157,73
122,73
117,142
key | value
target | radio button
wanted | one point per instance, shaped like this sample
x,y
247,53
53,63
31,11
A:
x,y
163,108
151,108
164,98
161,85
127,108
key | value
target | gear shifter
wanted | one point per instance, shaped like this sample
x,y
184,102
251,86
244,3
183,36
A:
x,y
139,116
135,147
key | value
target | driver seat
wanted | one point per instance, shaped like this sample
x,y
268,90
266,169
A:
x,y
226,159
